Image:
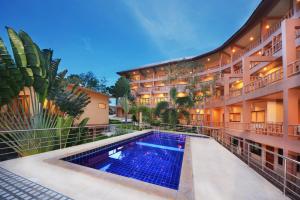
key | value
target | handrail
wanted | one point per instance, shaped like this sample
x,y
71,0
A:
x,y
264,81
293,68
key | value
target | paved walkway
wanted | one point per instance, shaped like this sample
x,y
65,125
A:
x,y
13,186
218,174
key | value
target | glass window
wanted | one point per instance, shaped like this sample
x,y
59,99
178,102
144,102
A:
x,y
280,159
102,105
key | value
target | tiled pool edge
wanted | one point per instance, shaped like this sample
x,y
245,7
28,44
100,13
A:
x,y
185,185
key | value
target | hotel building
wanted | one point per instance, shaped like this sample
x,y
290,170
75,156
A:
x,y
251,82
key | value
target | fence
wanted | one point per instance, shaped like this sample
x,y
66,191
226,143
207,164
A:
x,y
282,174
19,143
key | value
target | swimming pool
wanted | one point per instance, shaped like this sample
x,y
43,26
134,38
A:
x,y
154,157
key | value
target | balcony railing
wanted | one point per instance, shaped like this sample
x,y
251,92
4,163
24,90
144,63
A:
x,y
143,89
294,130
164,89
235,92
265,81
293,68
270,128
214,100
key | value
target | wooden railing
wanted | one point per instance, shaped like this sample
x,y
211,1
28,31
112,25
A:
x,y
235,92
265,81
270,128
293,68
294,130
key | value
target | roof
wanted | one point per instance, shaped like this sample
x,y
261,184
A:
x,y
87,90
261,10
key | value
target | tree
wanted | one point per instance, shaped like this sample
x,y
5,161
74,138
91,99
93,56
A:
x,y
170,112
124,102
35,70
88,80
120,89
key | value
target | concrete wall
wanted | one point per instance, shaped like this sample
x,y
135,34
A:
x,y
95,110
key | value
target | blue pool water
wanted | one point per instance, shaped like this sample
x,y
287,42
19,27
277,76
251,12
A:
x,y
153,158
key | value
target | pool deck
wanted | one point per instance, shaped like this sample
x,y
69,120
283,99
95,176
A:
x,y
216,174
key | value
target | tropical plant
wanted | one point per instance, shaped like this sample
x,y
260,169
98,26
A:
x,y
171,112
120,89
147,113
33,73
125,104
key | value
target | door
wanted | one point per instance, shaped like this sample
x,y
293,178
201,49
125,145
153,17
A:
x,y
270,158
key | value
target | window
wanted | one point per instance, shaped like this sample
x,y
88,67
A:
x,y
145,101
255,149
234,117
280,159
102,105
235,141
258,116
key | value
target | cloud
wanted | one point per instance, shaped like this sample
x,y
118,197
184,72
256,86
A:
x,y
167,23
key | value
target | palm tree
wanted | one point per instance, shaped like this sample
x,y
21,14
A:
x,y
170,112
124,102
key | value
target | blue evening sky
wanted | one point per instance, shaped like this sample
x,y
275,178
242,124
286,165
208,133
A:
x,y
106,36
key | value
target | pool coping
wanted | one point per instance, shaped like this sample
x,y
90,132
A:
x,y
186,184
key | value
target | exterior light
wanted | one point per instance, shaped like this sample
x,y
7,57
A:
x,y
259,53
267,26
197,111
233,50
265,68
208,59
191,72
251,38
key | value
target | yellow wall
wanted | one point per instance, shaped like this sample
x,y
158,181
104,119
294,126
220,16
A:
x,y
274,112
97,115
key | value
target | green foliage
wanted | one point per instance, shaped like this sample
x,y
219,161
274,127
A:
x,y
121,88
114,121
124,102
173,94
88,80
186,102
171,113
72,101
161,107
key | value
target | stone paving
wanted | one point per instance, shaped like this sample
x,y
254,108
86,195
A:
x,y
14,187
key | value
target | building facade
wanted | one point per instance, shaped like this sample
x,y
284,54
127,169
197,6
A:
x,y
249,86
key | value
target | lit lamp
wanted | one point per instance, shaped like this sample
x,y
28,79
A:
x,y
197,110
267,26
251,38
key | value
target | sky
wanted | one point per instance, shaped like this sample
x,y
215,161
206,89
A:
x,y
107,36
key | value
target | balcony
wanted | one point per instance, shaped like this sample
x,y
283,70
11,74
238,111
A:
x,y
264,81
270,128
214,101
144,90
163,89
293,68
294,130
235,92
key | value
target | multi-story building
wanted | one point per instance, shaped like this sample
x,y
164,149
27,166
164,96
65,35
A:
x,y
253,82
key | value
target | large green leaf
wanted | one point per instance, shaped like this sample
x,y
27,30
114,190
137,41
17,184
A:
x,y
17,47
